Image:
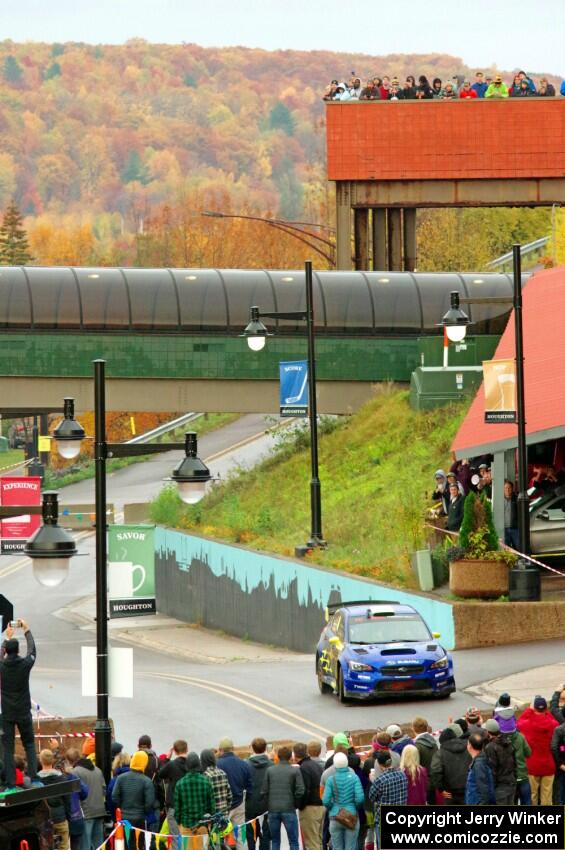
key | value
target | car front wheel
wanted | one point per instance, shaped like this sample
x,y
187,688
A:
x,y
324,688
340,688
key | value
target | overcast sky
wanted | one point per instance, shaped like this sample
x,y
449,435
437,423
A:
x,y
508,33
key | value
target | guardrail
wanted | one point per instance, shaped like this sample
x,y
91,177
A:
x,y
161,430
529,248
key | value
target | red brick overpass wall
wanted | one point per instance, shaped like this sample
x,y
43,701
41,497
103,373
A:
x,y
446,140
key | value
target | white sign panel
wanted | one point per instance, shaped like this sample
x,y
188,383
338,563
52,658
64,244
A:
x,y
120,672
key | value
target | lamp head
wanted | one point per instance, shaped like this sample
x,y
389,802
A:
x,y
455,320
255,332
50,548
68,433
191,474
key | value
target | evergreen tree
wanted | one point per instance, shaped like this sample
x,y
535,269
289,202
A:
x,y
54,70
134,169
281,119
12,70
14,247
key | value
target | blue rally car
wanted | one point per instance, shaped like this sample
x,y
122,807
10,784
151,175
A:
x,y
379,649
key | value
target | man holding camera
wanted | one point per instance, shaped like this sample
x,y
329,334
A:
x,y
16,701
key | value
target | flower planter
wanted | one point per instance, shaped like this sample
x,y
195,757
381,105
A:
x,y
479,579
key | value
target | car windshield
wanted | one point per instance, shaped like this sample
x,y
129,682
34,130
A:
x,y
395,629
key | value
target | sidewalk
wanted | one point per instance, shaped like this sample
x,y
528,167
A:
x,y
173,637
523,686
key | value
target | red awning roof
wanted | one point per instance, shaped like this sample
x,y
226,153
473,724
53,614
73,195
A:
x,y
544,372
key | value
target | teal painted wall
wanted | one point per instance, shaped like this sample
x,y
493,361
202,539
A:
x,y
269,599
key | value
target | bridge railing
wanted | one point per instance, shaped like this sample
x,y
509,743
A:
x,y
528,251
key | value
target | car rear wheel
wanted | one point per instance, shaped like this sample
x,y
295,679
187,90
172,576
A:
x,y
324,688
340,689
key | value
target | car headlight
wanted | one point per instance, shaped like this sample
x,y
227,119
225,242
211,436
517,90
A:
x,y
441,664
358,667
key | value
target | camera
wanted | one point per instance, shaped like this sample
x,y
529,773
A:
x,y
15,624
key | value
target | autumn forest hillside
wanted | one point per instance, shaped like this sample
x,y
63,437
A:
x,y
112,152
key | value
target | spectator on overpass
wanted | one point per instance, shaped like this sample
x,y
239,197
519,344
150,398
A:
x,y
497,89
437,89
355,89
16,701
562,89
467,91
385,88
449,92
423,89
514,89
545,89
331,91
370,92
480,86
525,78
409,88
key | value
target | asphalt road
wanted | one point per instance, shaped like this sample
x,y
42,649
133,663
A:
x,y
200,701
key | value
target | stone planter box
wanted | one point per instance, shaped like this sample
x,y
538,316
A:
x,y
478,579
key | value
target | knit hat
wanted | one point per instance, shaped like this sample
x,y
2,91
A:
x,y
193,762
472,715
503,701
540,703
340,760
225,744
462,723
455,728
116,748
207,759
439,473
394,731
88,747
340,738
491,726
447,734
139,761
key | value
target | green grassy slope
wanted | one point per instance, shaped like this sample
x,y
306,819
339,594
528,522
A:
x,y
376,468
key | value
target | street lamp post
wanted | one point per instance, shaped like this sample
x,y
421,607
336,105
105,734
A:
x,y
50,547
192,483
256,334
455,322
296,229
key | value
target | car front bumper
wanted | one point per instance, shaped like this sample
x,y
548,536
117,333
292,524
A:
x,y
371,685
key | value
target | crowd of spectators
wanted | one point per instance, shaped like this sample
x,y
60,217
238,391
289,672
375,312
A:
x,y
514,757
474,474
483,86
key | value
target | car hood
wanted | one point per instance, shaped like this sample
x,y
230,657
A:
x,y
395,653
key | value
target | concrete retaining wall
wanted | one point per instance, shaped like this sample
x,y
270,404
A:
x,y
263,597
499,623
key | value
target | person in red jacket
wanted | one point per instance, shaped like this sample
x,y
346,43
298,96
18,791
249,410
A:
x,y
536,725
467,91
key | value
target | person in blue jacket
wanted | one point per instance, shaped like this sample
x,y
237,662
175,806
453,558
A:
x,y
562,89
479,790
343,790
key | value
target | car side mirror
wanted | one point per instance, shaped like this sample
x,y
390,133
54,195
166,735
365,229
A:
x,y
436,634
335,641
543,515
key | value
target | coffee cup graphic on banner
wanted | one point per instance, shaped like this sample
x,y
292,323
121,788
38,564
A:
x,y
126,578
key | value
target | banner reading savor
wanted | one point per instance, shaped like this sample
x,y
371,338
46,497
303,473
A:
x,y
131,570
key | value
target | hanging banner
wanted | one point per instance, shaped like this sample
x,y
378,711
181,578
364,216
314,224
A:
x,y
500,390
131,570
293,388
17,490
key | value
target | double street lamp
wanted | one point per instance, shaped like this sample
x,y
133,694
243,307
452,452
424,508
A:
x,y
256,334
51,547
455,323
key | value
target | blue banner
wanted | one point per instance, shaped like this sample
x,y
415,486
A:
x,y
294,388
